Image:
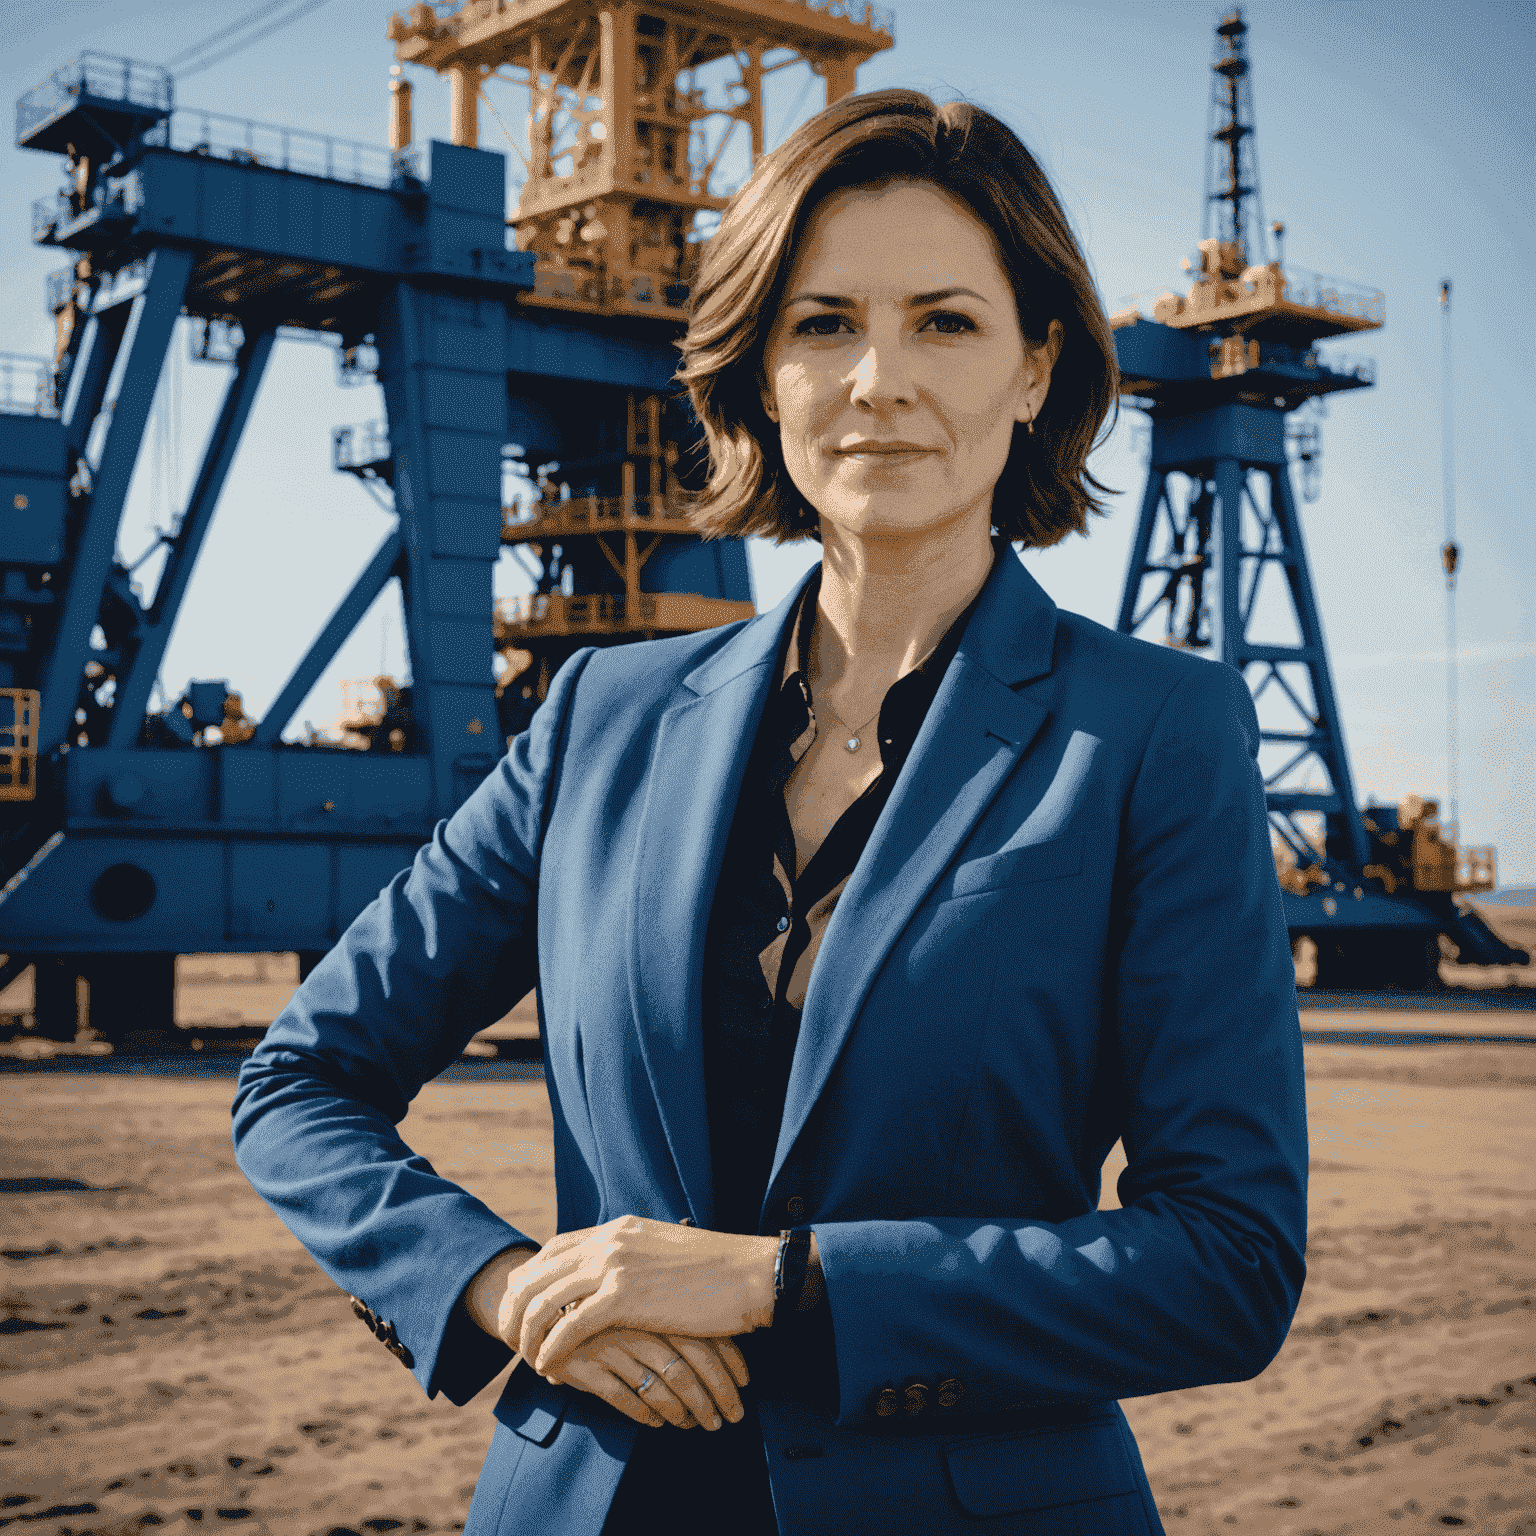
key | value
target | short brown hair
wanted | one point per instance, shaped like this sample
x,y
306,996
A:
x,y
1045,491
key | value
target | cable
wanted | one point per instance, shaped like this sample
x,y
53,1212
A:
x,y
258,14
301,10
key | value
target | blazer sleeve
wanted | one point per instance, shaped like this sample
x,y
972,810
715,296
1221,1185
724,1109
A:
x,y
445,949
1195,1280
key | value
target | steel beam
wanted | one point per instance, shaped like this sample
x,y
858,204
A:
x,y
92,560
1136,571
133,690
1298,575
330,640
108,328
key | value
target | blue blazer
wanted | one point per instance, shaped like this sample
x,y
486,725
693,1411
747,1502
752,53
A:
x,y
1065,929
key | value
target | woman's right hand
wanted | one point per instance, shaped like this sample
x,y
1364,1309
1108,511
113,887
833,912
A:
x,y
700,1385
694,1381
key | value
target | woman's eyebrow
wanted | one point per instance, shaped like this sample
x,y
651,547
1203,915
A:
x,y
837,301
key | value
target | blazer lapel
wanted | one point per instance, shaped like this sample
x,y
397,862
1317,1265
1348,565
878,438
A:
x,y
975,732
693,781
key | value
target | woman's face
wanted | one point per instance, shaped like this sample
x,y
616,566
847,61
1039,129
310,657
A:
x,y
898,326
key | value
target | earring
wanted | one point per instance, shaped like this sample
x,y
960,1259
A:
x,y
1029,422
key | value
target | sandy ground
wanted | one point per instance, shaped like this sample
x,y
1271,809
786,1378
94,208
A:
x,y
173,1358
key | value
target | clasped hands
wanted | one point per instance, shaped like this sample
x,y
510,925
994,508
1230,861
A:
x,y
604,1308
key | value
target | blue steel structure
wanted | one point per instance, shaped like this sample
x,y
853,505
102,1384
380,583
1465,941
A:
x,y
139,837
1219,373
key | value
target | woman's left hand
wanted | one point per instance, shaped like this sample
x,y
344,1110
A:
x,y
635,1273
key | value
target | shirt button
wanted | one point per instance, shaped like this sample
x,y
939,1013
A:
x,y
783,924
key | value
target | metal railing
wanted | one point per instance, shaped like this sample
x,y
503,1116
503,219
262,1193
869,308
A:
x,y
879,18
595,512
26,386
579,609
1334,295
102,75
117,200
1350,367
360,447
245,142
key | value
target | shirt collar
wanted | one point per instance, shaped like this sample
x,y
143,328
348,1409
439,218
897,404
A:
x,y
906,701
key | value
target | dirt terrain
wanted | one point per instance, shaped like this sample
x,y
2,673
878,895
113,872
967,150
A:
x,y
172,1357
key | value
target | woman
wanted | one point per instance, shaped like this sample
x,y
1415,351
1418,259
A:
x,y
862,931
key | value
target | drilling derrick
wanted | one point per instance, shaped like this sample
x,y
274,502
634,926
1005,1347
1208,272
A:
x,y
621,172
131,833
1219,559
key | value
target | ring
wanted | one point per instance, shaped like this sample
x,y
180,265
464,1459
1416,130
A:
x,y
670,1363
650,1376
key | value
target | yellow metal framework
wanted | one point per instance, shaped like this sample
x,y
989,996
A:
x,y
19,711
618,167
617,524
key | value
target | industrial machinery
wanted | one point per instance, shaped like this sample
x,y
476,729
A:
x,y
1219,559
128,836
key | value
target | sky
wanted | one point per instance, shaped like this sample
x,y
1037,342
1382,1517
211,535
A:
x,y
1395,142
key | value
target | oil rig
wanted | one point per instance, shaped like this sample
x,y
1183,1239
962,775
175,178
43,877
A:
x,y
543,340
1219,562
547,337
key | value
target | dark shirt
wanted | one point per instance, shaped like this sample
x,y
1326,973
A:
x,y
765,931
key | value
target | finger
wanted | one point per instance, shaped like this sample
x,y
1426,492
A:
x,y
541,1285
592,1377
674,1368
635,1372
590,1316
542,1311
702,1358
735,1361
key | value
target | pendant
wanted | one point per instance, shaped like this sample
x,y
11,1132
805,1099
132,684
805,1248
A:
x,y
853,743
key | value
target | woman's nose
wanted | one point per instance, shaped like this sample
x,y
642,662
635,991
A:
x,y
880,376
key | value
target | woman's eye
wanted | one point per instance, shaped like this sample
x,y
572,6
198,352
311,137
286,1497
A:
x,y
950,324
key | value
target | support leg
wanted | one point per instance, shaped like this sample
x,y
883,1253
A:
x,y
133,1002
1151,498
55,997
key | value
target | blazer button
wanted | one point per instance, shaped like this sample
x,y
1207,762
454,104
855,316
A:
x,y
916,1398
402,1354
951,1390
383,1331
887,1402
796,1207
362,1309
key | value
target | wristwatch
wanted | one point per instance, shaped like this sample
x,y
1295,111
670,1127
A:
x,y
789,1271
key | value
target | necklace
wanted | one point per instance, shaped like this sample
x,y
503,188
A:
x,y
857,735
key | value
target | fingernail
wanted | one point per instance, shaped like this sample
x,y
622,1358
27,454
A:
x,y
714,1422
736,1416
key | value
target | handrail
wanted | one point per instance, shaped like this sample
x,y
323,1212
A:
x,y
26,386
194,132
878,18
107,76
1313,290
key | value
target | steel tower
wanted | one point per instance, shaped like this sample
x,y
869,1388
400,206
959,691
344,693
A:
x,y
129,835
1220,562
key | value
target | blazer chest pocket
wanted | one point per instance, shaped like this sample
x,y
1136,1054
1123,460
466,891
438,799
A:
x,y
1048,1469
1053,860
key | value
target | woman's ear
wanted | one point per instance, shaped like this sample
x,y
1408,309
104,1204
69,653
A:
x,y
1038,365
